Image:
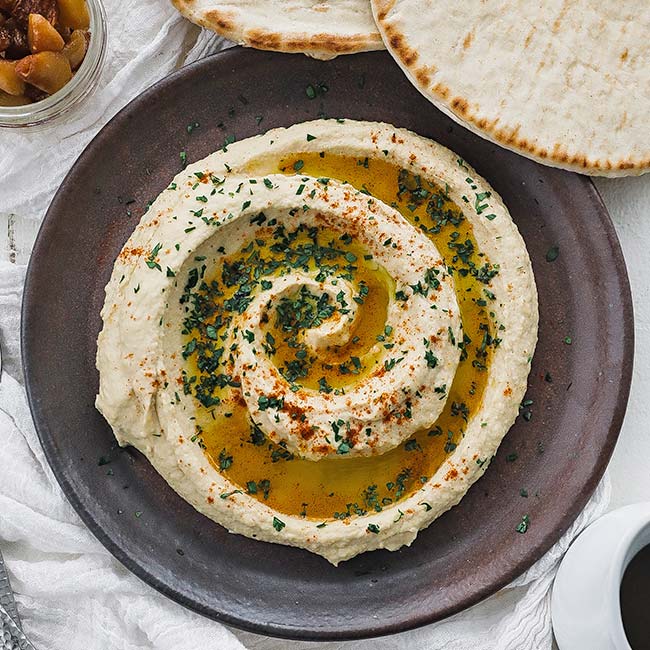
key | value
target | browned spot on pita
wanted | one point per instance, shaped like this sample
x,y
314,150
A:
x,y
468,40
383,8
460,104
558,21
441,90
521,143
624,54
529,38
531,147
423,78
579,160
394,38
511,137
542,153
264,40
220,19
406,54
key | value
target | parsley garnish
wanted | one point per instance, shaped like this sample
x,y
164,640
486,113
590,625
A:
x,y
432,360
225,461
151,260
552,253
523,525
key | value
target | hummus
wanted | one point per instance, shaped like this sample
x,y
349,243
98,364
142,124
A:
x,y
319,336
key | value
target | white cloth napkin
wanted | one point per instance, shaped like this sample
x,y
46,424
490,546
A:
x,y
71,593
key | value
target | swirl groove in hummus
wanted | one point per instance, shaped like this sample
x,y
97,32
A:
x,y
319,336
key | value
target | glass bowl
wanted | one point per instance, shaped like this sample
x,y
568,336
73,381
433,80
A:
x,y
74,92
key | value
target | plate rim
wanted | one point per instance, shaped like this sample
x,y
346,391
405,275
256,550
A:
x,y
58,468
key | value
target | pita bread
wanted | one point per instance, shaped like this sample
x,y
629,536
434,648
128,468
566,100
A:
x,y
565,82
319,28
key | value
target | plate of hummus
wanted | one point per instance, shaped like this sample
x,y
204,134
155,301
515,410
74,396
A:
x,y
316,348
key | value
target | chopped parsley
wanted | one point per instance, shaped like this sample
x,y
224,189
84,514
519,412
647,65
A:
x,y
552,253
523,525
225,461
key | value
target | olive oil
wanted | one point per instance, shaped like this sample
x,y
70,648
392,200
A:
x,y
340,487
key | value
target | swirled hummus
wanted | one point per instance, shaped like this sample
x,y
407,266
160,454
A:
x,y
319,336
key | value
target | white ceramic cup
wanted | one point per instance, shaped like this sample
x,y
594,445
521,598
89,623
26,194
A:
x,y
585,605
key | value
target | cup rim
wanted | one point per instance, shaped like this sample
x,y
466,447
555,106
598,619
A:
x,y
585,602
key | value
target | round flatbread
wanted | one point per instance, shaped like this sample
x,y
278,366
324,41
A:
x,y
319,28
565,82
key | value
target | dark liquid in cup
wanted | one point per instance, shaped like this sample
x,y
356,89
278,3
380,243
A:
x,y
635,600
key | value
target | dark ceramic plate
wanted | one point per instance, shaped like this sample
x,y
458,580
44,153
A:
x,y
585,346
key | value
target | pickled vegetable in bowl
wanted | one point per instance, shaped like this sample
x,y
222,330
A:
x,y
42,45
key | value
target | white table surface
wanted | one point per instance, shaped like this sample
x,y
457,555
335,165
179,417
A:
x,y
628,200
